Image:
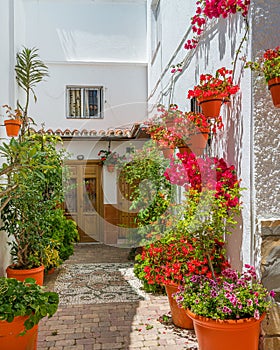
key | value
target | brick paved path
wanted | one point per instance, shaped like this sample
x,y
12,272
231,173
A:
x,y
122,326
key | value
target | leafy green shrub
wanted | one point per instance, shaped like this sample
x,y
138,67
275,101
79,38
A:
x,y
25,299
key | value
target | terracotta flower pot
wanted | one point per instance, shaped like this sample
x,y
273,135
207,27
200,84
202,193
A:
x,y
211,106
198,142
12,127
167,152
179,315
274,88
184,149
37,273
10,338
240,334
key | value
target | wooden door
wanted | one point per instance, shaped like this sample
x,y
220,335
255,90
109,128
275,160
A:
x,y
84,199
127,217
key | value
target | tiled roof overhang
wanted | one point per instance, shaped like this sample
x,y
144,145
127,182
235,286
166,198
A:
x,y
137,131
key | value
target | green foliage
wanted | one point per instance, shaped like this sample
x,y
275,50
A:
x,y
151,193
62,232
30,71
25,299
35,189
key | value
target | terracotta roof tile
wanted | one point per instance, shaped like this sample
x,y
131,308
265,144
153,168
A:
x,y
111,132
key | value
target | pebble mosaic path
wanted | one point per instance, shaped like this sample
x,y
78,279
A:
x,y
142,324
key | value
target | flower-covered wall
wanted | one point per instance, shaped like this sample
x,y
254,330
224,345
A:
x,y
216,49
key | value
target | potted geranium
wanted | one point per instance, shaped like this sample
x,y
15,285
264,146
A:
x,y
109,158
178,254
226,310
23,305
213,90
269,66
14,122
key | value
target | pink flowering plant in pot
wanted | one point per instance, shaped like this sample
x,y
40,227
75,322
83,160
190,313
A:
x,y
230,296
220,84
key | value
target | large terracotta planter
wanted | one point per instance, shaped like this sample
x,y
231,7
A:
x,y
179,315
240,334
211,106
274,88
10,338
12,127
36,273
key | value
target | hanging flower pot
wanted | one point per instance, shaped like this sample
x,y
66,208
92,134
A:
x,y
10,338
37,273
179,315
274,88
184,149
242,334
198,141
12,127
211,106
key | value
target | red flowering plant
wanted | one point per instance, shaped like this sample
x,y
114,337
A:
x,y
194,243
172,128
268,64
212,198
175,256
208,9
108,157
220,84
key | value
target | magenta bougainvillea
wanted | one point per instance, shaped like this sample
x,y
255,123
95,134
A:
x,y
210,173
208,9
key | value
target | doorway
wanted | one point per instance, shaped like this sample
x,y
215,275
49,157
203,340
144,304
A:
x,y
84,199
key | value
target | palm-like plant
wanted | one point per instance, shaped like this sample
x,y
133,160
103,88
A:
x,y
30,71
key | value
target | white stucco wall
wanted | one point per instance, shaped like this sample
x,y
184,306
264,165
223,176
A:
x,y
124,95
85,30
86,43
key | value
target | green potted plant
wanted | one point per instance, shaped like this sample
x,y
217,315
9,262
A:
x,y
62,234
22,306
33,196
269,66
30,70
213,90
14,122
227,310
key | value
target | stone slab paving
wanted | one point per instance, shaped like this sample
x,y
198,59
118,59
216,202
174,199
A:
x,y
123,326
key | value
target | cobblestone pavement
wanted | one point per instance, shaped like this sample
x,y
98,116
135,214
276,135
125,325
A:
x,y
122,326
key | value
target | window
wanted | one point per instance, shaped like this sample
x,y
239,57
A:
x,y
155,27
195,106
84,102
